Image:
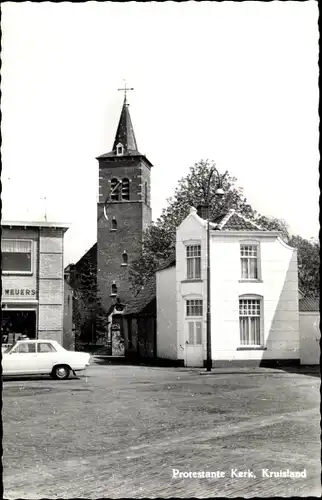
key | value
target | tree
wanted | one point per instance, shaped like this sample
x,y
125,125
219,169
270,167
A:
x,y
197,188
308,253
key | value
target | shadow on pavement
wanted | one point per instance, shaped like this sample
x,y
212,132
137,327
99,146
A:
x,y
312,371
36,377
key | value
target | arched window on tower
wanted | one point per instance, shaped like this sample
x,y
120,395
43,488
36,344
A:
x,y
114,224
113,289
115,190
124,258
146,193
125,189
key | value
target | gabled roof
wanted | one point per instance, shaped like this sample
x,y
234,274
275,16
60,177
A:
x,y
90,254
233,221
309,304
143,299
169,262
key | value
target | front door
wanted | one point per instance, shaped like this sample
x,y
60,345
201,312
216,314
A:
x,y
193,347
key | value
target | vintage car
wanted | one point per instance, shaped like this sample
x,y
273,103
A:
x,y
35,357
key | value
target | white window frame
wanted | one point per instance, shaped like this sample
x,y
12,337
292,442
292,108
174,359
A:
x,y
250,243
21,273
119,149
260,299
194,259
189,316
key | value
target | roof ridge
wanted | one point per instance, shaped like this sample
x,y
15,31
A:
x,y
226,218
250,221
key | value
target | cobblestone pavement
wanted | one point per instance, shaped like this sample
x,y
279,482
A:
x,y
120,431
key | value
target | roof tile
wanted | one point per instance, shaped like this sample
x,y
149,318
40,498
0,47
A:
x,y
309,304
144,297
233,221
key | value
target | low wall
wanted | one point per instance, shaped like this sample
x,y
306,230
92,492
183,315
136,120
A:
x,y
310,338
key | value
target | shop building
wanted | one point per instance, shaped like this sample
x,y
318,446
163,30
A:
x,y
32,299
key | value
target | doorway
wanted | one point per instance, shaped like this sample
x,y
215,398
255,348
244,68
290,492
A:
x,y
15,323
194,346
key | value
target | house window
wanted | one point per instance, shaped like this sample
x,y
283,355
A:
x,y
125,189
115,189
194,307
146,193
249,261
124,259
195,332
250,321
114,224
119,149
16,256
114,289
193,253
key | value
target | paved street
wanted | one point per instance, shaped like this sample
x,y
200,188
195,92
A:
x,y
121,430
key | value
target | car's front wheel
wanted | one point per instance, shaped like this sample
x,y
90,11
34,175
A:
x,y
60,372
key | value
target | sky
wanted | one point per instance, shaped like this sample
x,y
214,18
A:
x,y
233,82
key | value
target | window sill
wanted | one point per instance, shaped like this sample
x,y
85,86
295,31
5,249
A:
x,y
113,230
197,280
250,281
124,265
113,295
251,348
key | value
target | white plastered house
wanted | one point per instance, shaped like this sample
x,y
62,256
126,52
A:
x,y
254,295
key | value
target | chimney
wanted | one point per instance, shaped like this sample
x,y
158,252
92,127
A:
x,y
202,211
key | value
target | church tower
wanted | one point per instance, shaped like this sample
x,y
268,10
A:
x,y
123,212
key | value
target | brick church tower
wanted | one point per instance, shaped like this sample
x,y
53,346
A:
x,y
123,212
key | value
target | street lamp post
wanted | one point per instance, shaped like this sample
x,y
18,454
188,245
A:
x,y
209,360
219,192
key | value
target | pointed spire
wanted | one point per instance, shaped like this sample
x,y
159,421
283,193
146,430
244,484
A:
x,y
125,142
125,133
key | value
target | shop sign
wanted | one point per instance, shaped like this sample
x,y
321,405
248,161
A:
x,y
20,292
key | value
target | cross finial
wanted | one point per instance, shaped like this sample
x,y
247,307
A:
x,y
125,90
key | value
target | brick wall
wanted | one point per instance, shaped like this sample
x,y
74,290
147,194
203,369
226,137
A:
x,y
131,217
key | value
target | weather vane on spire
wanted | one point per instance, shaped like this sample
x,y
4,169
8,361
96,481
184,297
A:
x,y
125,90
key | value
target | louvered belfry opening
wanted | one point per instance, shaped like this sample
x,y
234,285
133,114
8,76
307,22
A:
x,y
125,189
